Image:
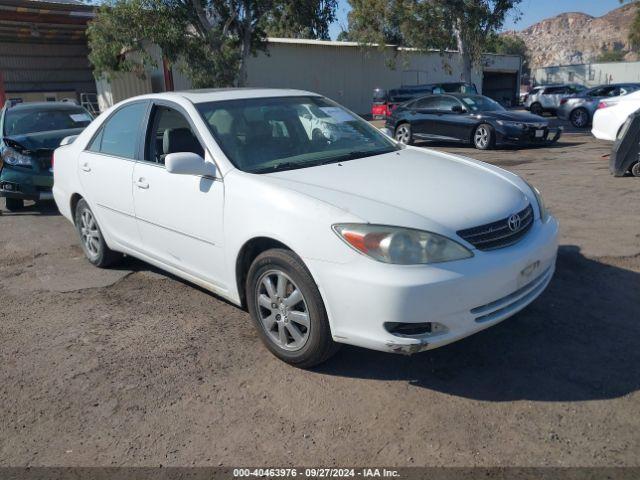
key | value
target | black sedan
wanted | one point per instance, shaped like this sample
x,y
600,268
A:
x,y
466,118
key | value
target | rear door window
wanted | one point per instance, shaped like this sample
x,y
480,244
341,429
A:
x,y
119,134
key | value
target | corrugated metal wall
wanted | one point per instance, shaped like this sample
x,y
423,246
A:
x,y
120,87
40,67
346,72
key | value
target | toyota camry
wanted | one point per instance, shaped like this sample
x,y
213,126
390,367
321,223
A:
x,y
327,234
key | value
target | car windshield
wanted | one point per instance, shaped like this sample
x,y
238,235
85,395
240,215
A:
x,y
21,121
478,103
261,135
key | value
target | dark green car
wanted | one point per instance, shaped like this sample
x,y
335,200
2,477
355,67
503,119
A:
x,y
30,134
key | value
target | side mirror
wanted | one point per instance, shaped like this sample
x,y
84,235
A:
x,y
188,163
68,140
457,109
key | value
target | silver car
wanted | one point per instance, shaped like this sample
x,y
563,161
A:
x,y
546,98
579,109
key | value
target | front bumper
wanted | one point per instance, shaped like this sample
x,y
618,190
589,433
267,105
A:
x,y
527,137
25,184
459,298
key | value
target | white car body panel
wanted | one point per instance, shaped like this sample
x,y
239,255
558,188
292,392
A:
x,y
607,122
195,227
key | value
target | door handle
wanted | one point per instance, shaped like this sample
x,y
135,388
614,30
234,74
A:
x,y
142,183
85,167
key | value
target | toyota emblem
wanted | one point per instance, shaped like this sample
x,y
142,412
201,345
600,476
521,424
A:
x,y
514,222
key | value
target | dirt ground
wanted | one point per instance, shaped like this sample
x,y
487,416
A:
x,y
135,367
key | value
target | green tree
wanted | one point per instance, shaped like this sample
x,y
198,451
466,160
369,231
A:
x,y
465,25
508,44
634,32
611,56
210,40
301,19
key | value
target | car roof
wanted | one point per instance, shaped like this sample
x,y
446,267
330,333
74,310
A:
x,y
219,94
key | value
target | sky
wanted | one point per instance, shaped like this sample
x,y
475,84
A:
x,y
532,12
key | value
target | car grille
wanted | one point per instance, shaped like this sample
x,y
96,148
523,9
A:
x,y
499,234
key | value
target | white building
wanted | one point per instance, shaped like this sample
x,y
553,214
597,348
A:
x,y
344,71
589,74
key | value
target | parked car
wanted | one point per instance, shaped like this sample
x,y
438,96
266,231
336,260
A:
x,y
356,240
625,154
384,102
30,133
546,98
579,108
611,115
471,119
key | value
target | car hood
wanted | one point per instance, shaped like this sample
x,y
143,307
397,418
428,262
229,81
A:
x,y
414,188
40,140
514,117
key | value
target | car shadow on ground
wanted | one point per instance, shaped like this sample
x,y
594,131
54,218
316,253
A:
x,y
579,341
44,208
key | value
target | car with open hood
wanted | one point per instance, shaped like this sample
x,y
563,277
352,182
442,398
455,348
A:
x,y
465,118
325,239
30,132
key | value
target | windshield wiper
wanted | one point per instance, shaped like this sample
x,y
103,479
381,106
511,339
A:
x,y
355,154
279,166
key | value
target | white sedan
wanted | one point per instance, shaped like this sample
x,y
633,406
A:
x,y
350,239
611,115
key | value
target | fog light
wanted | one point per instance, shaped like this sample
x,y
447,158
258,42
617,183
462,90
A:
x,y
402,329
9,187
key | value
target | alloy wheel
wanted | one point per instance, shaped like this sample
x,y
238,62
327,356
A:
x,y
481,137
282,310
89,234
403,134
579,118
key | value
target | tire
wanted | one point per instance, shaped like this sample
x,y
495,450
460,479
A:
x,y
536,109
403,134
635,169
484,137
91,239
14,204
579,118
297,333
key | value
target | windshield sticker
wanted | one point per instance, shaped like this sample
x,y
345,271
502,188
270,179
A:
x,y
80,117
338,114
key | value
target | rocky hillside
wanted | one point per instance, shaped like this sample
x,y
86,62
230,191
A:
x,y
572,38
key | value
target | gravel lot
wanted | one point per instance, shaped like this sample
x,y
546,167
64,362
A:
x,y
135,367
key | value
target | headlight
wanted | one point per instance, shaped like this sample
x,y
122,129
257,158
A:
x,y
12,157
544,213
511,124
400,246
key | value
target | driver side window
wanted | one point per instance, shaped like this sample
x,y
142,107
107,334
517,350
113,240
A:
x,y
169,132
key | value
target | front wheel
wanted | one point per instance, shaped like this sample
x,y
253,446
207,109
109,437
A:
x,y
635,170
91,239
14,204
579,118
483,137
287,309
404,134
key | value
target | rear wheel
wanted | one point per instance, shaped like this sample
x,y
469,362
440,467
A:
x,y
484,137
536,109
635,170
579,118
403,134
91,239
14,204
287,309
